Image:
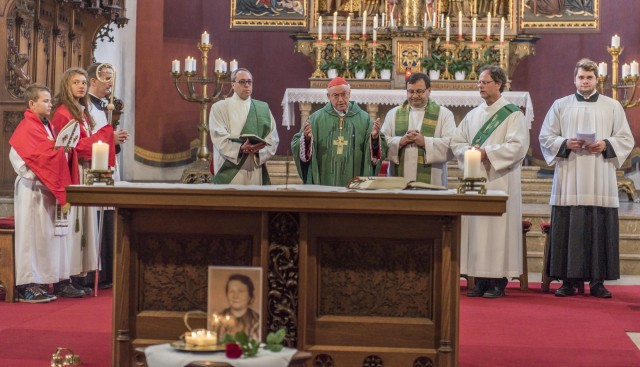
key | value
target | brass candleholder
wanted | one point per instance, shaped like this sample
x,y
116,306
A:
x,y
448,52
347,59
473,184
64,357
92,176
318,73
199,172
374,49
475,48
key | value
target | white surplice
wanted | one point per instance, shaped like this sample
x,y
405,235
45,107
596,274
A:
x,y
41,257
491,247
585,178
436,148
226,120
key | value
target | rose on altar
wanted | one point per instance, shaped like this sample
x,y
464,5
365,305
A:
x,y
240,344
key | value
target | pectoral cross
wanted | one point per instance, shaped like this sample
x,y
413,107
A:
x,y
340,143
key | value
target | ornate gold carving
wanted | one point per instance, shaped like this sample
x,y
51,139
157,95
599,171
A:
x,y
372,361
390,278
408,56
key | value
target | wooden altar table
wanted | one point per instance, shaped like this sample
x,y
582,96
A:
x,y
392,97
356,277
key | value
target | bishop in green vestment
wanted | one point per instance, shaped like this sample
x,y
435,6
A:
x,y
338,142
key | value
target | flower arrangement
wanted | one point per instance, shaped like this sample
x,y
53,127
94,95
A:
x,y
383,61
240,344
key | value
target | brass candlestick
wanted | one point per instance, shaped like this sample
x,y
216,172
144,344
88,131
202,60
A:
x,y
199,172
473,184
92,176
475,52
374,49
347,59
448,52
318,73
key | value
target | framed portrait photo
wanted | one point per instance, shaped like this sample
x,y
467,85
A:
x,y
285,15
235,300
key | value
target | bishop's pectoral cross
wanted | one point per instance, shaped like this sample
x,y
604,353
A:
x,y
340,143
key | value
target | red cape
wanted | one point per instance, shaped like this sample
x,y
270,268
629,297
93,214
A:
x,y
61,118
35,147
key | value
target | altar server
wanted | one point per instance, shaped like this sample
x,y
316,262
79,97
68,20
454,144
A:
x,y
586,137
242,160
418,134
491,247
339,141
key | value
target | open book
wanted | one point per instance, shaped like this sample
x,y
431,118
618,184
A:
x,y
253,139
379,183
69,136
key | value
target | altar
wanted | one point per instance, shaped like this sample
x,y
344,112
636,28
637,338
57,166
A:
x,y
356,277
371,99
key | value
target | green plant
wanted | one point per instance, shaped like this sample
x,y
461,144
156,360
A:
x,y
489,57
433,62
359,63
462,62
383,61
250,346
336,63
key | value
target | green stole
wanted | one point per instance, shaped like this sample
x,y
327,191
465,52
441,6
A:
x,y
258,123
427,129
492,124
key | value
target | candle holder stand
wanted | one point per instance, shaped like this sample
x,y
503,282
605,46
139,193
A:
x,y
347,59
374,48
92,176
448,52
475,51
473,184
318,73
199,172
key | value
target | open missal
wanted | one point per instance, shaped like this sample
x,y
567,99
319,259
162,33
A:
x,y
69,136
253,139
381,183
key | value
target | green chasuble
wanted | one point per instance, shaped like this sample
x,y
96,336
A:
x,y
258,123
338,155
427,129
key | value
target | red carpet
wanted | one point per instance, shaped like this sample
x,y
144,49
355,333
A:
x,y
524,329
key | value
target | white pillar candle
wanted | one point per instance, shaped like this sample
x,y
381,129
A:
x,y
472,163
224,66
364,24
460,24
218,65
175,66
375,26
602,69
193,65
502,30
473,30
100,156
615,41
434,20
335,24
441,20
448,30
488,26
384,18
626,70
204,39
233,65
634,68
348,36
187,64
320,28
424,20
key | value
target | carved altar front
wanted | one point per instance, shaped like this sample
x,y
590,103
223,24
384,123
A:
x,y
356,278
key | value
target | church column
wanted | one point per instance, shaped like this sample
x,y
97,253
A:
x,y
305,111
372,109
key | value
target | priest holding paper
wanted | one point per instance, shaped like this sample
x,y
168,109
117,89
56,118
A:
x,y
491,247
339,141
586,137
418,134
244,135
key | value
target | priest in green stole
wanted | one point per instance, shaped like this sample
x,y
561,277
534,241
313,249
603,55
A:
x,y
418,133
338,142
240,160
491,247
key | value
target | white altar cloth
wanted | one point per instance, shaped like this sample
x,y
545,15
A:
x,y
163,355
394,97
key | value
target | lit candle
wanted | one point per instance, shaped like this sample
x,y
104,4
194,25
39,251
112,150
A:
x,y
488,26
448,30
502,30
472,163
233,65
626,70
441,20
473,30
100,156
460,24
364,24
348,36
615,41
424,21
602,69
384,17
634,68
193,64
375,26
175,66
434,20
224,66
187,64
201,337
218,65
204,39
335,24
320,28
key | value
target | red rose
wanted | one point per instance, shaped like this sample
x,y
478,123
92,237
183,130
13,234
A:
x,y
233,351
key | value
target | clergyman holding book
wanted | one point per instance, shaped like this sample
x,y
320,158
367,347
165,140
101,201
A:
x,y
244,135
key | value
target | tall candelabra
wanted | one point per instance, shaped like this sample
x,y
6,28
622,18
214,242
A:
x,y
199,172
628,85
